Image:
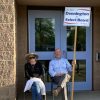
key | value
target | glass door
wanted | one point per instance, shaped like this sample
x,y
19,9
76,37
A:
x,y
46,32
44,36
83,70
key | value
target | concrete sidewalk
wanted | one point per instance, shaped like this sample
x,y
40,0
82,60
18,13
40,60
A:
x,y
82,95
87,95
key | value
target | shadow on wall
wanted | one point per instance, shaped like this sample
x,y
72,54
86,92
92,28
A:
x,y
20,83
8,92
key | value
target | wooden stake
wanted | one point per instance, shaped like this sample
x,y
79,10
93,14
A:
x,y
74,63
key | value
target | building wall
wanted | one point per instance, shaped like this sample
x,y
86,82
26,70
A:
x,y
21,46
7,50
96,48
9,65
22,42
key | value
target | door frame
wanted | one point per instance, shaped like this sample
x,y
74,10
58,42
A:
x,y
60,43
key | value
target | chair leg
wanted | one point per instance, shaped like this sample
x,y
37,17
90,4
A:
x,y
52,91
51,87
24,96
52,96
44,97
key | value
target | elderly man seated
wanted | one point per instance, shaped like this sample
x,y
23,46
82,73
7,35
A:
x,y
60,70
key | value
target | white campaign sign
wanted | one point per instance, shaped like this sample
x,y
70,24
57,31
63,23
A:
x,y
77,16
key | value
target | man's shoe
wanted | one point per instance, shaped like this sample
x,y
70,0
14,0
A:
x,y
56,91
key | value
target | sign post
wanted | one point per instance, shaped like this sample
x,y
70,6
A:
x,y
76,16
74,64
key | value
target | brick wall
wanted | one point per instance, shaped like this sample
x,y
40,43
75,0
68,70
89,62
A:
x,y
7,50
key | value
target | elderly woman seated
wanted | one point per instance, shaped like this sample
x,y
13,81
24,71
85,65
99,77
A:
x,y
33,74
